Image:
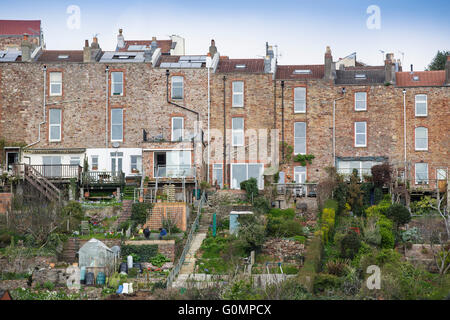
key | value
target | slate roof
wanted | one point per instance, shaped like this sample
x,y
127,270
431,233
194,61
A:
x,y
425,78
287,72
164,45
52,56
251,65
374,75
20,27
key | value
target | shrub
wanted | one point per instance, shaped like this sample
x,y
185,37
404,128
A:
x,y
241,290
139,212
251,232
144,252
399,214
251,188
261,205
350,245
281,227
159,260
387,238
332,204
313,258
300,239
327,223
388,256
337,267
286,213
381,174
324,281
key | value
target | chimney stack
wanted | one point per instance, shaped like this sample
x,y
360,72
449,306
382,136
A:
x,y
389,68
212,48
26,48
329,66
154,44
120,40
86,52
447,71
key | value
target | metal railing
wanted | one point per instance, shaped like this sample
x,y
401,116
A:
x,y
174,272
297,189
174,171
150,194
103,177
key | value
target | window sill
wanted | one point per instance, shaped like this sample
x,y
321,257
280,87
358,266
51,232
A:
x,y
237,106
421,115
361,146
299,112
356,110
421,150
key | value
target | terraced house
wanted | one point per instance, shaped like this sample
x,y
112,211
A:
x,y
134,112
147,114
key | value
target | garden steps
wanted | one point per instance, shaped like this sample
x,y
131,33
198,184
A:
x,y
70,250
189,262
126,211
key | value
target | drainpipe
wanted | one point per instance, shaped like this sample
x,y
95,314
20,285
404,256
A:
x,y
44,69
224,136
404,128
106,106
282,120
209,124
334,126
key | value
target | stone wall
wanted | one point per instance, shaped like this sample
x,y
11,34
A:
x,y
5,202
25,265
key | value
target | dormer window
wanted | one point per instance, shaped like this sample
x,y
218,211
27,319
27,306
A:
x,y
63,56
123,56
302,71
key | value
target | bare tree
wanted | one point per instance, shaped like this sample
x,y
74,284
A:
x,y
441,207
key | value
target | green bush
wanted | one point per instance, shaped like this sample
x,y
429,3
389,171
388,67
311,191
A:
x,y
301,239
139,211
332,204
159,260
387,238
350,245
145,252
388,256
251,188
399,214
324,281
241,290
285,213
282,227
261,205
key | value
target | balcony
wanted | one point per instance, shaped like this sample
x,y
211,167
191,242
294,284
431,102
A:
x,y
53,172
296,189
174,171
103,178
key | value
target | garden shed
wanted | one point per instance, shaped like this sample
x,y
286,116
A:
x,y
96,257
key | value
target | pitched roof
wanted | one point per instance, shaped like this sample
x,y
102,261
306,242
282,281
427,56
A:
x,y
425,78
56,56
20,27
164,45
251,65
288,72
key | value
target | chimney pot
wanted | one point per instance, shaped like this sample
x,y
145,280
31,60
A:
x,y
86,43
153,38
120,31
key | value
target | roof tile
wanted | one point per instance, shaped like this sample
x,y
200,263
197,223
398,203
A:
x,y
287,72
20,27
251,65
426,78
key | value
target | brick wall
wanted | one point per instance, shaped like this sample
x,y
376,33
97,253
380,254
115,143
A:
x,y
5,202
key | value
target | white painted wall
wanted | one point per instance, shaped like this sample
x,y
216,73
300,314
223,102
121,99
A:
x,y
104,158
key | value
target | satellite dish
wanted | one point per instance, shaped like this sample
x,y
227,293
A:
x,y
115,144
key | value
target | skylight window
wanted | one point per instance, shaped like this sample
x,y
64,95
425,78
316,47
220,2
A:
x,y
63,56
302,71
240,66
416,78
124,57
360,76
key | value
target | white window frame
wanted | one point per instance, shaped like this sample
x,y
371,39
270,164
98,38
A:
x,y
116,124
299,104
92,162
439,175
300,174
260,178
426,105
113,83
237,93
173,129
173,81
359,100
359,133
296,138
416,180
217,166
58,125
74,158
426,138
236,132
137,164
53,82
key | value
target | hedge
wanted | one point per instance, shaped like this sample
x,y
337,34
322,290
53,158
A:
x,y
312,265
145,252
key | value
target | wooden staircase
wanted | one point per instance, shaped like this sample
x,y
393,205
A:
x,y
37,180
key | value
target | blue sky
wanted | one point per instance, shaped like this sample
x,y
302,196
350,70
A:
x,y
300,29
